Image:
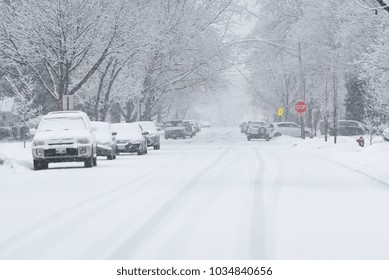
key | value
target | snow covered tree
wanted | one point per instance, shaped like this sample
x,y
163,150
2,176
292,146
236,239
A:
x,y
63,42
23,87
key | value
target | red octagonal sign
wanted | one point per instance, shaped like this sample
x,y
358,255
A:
x,y
300,107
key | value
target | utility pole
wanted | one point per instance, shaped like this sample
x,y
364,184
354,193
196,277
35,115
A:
x,y
291,51
302,90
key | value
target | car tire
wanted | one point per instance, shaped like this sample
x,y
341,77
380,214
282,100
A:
x,y
248,138
88,162
110,157
277,134
307,134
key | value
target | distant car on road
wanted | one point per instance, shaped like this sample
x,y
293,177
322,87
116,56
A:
x,y
64,136
287,128
175,129
348,128
106,140
130,138
153,137
205,124
258,130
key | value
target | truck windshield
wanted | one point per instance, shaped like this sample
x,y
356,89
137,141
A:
x,y
68,123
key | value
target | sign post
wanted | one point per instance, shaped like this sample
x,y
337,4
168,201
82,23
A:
x,y
280,113
300,108
67,102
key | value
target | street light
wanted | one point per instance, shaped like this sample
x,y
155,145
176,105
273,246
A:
x,y
296,53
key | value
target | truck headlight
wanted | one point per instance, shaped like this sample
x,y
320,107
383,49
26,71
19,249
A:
x,y
83,140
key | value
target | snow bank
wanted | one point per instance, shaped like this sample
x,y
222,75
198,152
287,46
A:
x,y
370,160
13,157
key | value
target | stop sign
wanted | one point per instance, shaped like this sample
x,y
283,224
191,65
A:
x,y
300,107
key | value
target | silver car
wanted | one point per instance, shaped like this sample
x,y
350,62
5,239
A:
x,y
287,128
106,140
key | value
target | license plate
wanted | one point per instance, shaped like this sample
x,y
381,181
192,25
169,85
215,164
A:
x,y
60,150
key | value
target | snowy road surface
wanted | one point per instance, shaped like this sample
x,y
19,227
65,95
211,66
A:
x,y
216,196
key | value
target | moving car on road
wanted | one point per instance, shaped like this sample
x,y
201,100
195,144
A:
x,y
153,137
130,138
287,128
64,136
106,140
258,130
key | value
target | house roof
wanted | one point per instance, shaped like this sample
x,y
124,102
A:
x,y
7,105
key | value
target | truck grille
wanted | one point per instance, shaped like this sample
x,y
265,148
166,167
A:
x,y
69,152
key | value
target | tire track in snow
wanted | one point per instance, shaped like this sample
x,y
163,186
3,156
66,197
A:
x,y
273,191
139,236
177,245
258,228
41,226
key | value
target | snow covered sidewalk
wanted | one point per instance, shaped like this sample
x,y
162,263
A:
x,y
370,160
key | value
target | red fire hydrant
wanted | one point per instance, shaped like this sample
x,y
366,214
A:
x,y
361,141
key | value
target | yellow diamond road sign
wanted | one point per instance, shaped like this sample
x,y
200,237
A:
x,y
280,111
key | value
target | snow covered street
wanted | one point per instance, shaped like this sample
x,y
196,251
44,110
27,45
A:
x,y
216,196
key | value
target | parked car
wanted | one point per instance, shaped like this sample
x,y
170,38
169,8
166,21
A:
x,y
258,130
130,138
287,128
160,128
385,134
190,130
175,129
64,136
244,127
348,128
195,124
153,138
106,140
